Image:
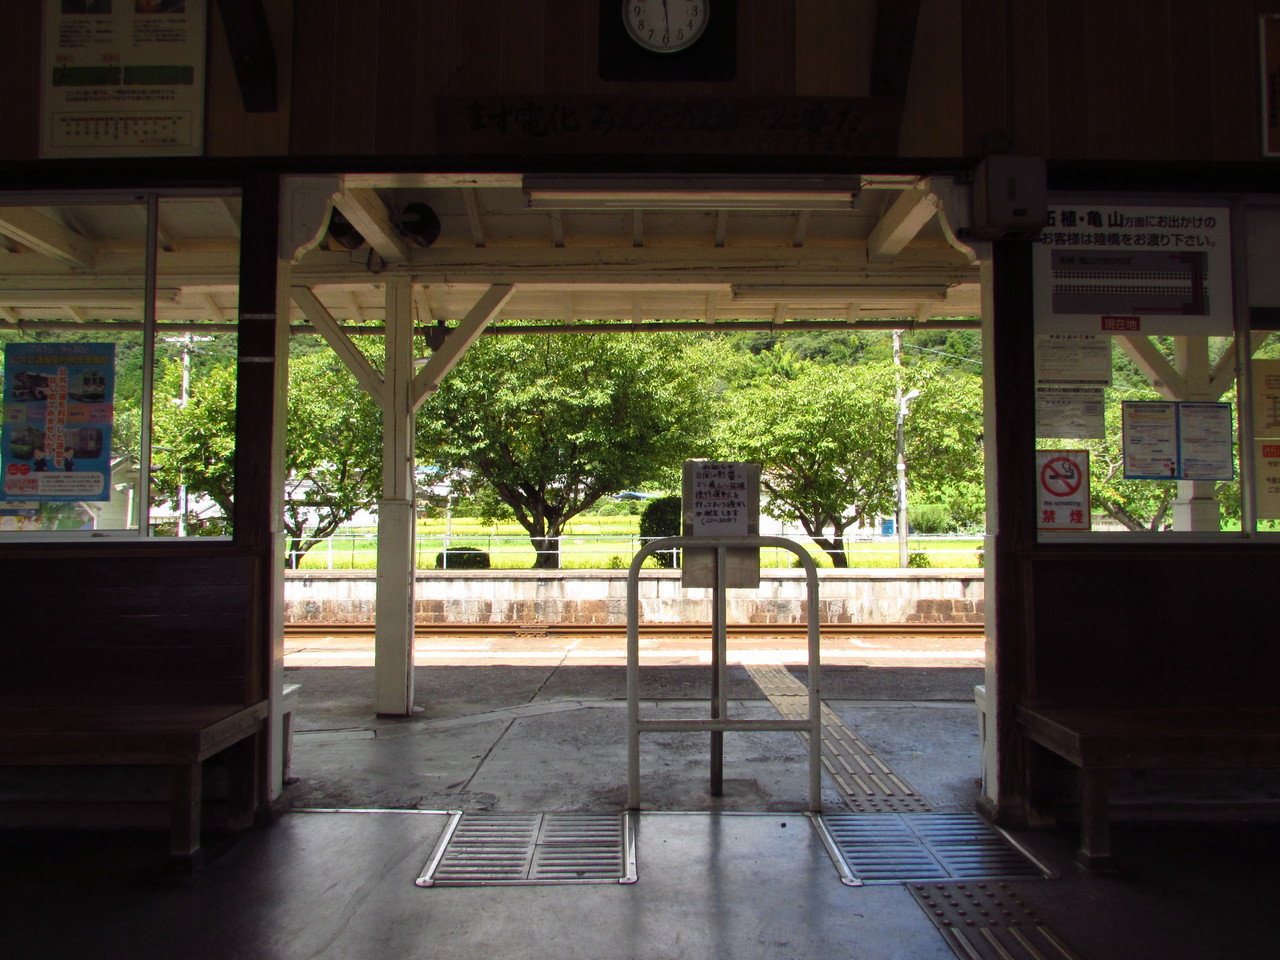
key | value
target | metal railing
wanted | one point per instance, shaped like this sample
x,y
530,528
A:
x,y
358,550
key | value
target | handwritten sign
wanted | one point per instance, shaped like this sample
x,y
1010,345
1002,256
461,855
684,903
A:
x,y
721,500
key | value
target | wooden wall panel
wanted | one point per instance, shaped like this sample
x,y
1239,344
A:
x,y
933,118
229,131
161,628
833,47
20,80
1146,80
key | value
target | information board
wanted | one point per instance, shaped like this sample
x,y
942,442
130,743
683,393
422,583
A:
x,y
721,499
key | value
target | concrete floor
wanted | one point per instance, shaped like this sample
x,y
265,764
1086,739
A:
x,y
743,876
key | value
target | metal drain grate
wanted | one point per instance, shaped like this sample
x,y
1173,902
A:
x,y
988,921
491,849
866,782
891,848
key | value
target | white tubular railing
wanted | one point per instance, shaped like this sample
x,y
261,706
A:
x,y
720,720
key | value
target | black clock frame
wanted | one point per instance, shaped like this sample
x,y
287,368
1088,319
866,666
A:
x,y
714,57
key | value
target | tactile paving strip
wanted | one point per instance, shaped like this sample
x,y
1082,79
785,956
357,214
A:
x,y
866,782
988,921
939,846
491,849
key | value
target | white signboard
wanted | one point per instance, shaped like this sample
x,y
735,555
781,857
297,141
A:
x,y
1070,413
1110,269
1062,478
123,78
1267,478
721,499
1266,398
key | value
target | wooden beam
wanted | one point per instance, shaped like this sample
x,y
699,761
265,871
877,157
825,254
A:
x,y
252,53
369,216
471,200
895,43
455,345
900,224
1155,366
342,345
46,236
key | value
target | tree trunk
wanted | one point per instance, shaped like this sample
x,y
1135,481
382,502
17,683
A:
x,y
548,552
834,550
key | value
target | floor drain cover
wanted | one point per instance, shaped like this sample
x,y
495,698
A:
x,y
483,849
891,848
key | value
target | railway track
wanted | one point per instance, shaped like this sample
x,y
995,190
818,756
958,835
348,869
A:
x,y
299,630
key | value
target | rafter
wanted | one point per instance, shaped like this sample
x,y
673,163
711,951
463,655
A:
x,y
455,345
902,221
1169,383
342,345
368,214
43,235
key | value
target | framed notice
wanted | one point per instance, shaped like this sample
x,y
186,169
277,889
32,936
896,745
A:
x,y
123,78
721,499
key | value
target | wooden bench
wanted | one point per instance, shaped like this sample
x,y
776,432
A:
x,y
1101,739
178,736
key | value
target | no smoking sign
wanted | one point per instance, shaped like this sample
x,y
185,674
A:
x,y
1063,489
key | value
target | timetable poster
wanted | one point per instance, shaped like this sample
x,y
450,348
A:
x,y
123,78
55,444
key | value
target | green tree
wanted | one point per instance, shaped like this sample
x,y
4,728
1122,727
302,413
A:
x,y
545,425
826,441
333,445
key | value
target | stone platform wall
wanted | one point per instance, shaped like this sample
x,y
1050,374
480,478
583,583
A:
x,y
599,597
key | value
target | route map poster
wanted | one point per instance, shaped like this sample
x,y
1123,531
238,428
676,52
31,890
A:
x,y
55,444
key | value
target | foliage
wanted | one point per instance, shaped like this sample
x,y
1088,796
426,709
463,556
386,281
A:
x,y
462,558
661,518
333,445
826,440
547,425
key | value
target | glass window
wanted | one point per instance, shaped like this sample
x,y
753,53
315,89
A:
x,y
117,324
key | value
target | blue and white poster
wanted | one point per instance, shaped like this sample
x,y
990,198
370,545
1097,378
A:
x,y
55,444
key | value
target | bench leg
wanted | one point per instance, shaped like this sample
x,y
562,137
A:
x,y
1095,825
185,813
242,795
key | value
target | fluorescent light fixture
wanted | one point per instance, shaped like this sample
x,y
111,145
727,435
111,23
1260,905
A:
x,y
689,193
837,293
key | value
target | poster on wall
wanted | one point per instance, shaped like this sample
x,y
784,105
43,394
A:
x,y
1266,398
123,78
1070,413
1062,478
55,444
1164,440
1104,268
1267,478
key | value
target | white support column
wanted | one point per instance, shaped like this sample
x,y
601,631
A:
x,y
1196,507
393,638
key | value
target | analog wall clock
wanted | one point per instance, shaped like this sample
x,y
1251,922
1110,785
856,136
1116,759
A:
x,y
671,40
665,26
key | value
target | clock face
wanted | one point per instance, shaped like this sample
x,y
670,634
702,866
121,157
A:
x,y
665,26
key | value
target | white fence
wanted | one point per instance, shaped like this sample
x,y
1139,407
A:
x,y
358,551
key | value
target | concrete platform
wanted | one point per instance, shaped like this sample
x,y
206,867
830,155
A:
x,y
742,876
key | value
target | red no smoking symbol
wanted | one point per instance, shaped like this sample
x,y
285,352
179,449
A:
x,y
1061,476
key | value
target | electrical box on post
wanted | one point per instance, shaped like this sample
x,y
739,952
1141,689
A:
x,y
1010,196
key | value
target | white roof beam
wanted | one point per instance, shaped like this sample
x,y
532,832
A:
x,y
43,235
342,345
459,339
1169,383
900,224
471,200
369,216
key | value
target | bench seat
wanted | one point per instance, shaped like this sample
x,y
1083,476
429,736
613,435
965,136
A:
x,y
1101,739
179,736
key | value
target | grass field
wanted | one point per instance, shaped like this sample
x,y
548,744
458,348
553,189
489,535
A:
x,y
595,542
